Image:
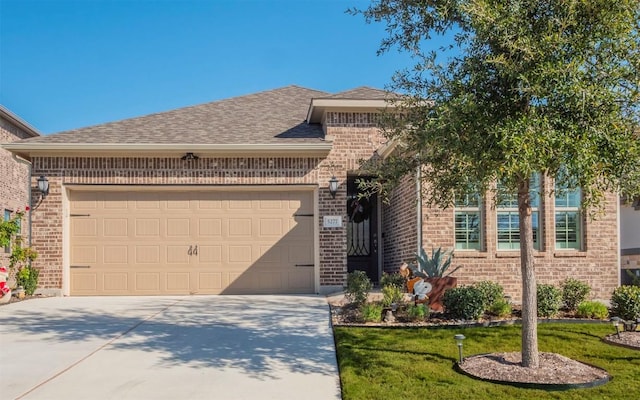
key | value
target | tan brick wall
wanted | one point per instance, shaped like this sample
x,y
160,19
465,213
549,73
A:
x,y
352,141
400,225
597,265
14,178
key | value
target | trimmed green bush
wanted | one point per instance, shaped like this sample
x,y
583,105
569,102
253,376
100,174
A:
x,y
574,292
394,279
464,302
391,294
371,312
549,300
625,302
491,292
501,308
592,309
416,312
358,287
27,277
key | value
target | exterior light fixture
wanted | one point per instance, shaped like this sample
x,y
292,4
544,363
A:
x,y
459,338
333,186
616,324
189,157
43,185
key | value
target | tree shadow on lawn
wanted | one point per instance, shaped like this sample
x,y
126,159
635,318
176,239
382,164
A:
x,y
258,335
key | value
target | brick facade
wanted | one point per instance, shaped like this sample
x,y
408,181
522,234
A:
x,y
400,225
597,264
354,138
14,177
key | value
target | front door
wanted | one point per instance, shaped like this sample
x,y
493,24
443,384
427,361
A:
x,y
362,231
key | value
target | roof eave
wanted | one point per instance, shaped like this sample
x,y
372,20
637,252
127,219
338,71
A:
x,y
19,122
318,106
29,150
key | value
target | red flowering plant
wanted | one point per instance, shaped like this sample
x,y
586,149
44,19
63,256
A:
x,y
21,256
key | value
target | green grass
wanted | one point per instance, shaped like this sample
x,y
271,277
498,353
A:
x,y
418,363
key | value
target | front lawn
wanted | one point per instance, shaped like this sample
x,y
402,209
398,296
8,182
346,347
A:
x,y
389,364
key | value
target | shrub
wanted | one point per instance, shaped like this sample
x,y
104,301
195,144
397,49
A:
x,y
27,277
437,265
358,287
371,312
574,292
500,308
394,279
491,292
549,300
592,309
464,302
625,302
391,294
416,312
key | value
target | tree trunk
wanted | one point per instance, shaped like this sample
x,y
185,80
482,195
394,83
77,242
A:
x,y
530,357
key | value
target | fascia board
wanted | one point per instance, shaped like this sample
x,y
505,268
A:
x,y
27,150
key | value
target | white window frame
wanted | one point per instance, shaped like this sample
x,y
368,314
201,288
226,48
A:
x,y
508,206
468,210
562,211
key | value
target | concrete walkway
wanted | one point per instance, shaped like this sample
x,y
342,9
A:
x,y
195,347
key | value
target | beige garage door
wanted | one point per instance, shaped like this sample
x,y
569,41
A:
x,y
149,243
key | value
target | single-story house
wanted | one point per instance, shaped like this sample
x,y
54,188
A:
x,y
258,194
14,178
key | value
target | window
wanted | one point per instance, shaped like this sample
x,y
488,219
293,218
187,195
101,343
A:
x,y
568,217
7,217
508,222
468,223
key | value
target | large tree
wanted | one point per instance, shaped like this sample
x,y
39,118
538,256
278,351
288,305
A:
x,y
523,87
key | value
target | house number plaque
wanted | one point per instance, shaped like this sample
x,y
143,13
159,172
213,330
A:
x,y
332,221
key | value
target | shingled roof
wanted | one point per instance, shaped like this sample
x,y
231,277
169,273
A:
x,y
361,93
274,116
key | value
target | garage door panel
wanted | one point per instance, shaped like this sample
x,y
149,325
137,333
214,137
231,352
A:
x,y
116,281
138,242
210,254
115,254
147,281
86,227
115,227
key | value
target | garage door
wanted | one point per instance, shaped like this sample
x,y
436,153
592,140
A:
x,y
150,243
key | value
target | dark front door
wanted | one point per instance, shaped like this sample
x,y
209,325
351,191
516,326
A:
x,y
362,231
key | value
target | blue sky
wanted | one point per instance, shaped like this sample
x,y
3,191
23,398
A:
x,y
69,64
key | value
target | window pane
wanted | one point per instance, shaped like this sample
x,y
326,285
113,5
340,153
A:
x,y
467,230
568,235
509,230
568,198
470,201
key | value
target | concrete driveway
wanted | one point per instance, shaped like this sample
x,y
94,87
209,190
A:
x,y
195,347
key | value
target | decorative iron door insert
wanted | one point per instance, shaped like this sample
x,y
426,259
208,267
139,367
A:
x,y
362,231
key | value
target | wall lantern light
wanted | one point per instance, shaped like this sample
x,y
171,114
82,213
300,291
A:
x,y
459,338
43,185
333,186
189,157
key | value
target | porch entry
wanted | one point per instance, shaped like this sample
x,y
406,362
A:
x,y
362,231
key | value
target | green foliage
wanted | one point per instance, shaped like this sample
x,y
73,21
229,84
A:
x,y
437,265
27,277
9,229
491,293
417,312
394,279
464,302
592,309
549,300
358,287
625,302
500,308
574,292
391,294
371,312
